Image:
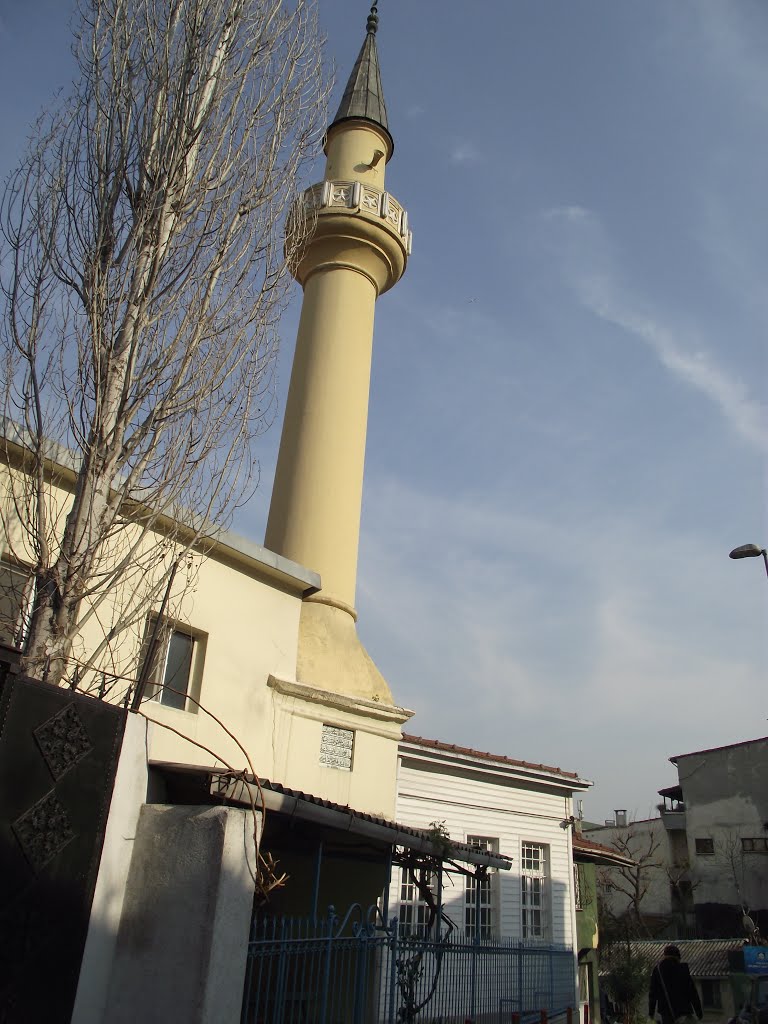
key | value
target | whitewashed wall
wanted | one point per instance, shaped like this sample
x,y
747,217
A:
x,y
482,798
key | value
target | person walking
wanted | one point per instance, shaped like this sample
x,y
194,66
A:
x,y
672,989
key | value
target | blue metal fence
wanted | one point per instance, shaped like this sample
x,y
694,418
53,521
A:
x,y
359,970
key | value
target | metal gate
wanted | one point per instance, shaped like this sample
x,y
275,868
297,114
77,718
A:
x,y
58,756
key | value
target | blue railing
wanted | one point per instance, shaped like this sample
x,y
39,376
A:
x,y
357,970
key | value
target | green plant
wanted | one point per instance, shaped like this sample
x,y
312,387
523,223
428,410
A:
x,y
440,837
627,984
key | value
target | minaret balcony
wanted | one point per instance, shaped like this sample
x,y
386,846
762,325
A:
x,y
364,199
336,214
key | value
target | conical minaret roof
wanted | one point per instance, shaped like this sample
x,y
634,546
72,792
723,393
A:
x,y
363,97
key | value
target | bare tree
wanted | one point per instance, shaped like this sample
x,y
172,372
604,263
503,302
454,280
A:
x,y
143,273
683,882
631,884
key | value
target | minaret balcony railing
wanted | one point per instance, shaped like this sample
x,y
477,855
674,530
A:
x,y
354,195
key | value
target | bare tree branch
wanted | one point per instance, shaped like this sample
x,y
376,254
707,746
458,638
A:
x,y
144,274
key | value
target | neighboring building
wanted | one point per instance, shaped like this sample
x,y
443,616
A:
x,y
703,863
648,885
722,804
716,966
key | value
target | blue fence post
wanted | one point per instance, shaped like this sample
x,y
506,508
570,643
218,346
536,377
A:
x,y
393,951
327,965
281,972
361,951
475,944
551,979
520,977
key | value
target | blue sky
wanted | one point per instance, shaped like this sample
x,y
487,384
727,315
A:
x,y
567,429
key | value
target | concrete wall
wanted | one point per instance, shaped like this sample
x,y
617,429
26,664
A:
x,y
128,796
648,842
183,938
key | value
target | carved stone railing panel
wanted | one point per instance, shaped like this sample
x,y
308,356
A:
x,y
354,195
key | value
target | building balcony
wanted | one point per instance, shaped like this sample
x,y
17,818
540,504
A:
x,y
672,811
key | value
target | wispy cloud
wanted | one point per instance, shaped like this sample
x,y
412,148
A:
x,y
465,152
695,367
592,268
525,635
733,37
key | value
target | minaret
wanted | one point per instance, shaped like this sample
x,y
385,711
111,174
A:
x,y
358,249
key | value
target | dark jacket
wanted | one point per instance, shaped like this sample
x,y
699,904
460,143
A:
x,y
673,991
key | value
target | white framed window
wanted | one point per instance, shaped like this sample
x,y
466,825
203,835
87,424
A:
x,y
534,874
17,589
479,894
414,911
177,663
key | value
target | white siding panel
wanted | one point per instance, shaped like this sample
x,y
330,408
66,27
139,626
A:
x,y
474,803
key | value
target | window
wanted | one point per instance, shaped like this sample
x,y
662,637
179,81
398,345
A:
x,y
710,994
758,844
578,887
479,908
414,911
176,664
16,593
533,877
705,847
681,895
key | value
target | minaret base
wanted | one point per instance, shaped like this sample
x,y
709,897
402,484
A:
x,y
331,656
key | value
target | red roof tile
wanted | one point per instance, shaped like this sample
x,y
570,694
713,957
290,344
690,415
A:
x,y
470,752
589,846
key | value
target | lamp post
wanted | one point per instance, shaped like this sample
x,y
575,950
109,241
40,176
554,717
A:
x,y
750,551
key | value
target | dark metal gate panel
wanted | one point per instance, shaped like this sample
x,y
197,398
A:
x,y
58,757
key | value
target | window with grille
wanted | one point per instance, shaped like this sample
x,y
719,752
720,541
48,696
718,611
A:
x,y
533,878
16,595
414,911
479,890
578,887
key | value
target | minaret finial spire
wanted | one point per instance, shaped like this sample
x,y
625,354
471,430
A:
x,y
363,97
373,19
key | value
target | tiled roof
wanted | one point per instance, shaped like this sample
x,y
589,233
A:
x,y
484,755
405,830
716,750
598,853
338,815
706,958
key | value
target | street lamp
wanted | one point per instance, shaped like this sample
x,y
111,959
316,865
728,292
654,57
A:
x,y
750,551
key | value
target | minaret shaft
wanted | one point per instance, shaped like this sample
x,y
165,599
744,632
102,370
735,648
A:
x,y
315,513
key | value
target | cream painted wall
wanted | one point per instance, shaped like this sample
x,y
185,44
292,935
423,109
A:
x,y
247,626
